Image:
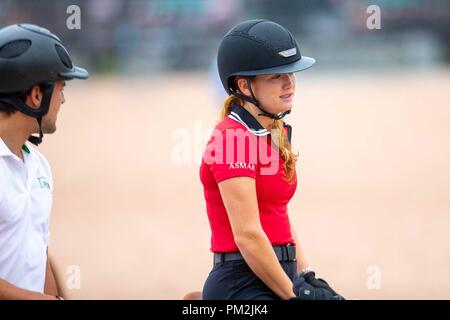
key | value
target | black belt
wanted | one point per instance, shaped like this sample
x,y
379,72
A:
x,y
283,253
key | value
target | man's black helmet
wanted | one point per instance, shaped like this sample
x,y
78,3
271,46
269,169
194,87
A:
x,y
257,47
29,56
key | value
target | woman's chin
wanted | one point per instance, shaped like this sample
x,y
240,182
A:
x,y
286,107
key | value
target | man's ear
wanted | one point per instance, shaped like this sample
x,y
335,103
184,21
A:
x,y
34,97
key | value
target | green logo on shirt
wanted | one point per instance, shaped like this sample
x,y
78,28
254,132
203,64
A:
x,y
43,183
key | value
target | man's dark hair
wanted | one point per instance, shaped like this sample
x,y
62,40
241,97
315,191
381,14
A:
x,y
6,108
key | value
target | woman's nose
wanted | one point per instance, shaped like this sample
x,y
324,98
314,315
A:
x,y
289,80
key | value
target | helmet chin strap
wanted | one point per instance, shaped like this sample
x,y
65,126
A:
x,y
37,140
253,100
45,105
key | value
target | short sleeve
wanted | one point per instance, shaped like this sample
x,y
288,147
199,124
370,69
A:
x,y
233,153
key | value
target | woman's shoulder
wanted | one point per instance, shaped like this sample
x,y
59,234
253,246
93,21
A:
x,y
228,123
228,129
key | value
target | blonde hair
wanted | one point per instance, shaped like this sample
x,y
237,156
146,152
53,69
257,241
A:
x,y
281,141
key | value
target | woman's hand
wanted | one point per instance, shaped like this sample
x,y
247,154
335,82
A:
x,y
308,287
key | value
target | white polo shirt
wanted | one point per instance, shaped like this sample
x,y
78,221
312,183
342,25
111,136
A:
x,y
26,189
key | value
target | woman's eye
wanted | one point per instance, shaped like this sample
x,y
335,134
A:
x,y
276,76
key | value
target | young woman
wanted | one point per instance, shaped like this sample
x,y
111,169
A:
x,y
248,171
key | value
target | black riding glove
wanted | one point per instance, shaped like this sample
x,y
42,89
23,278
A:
x,y
310,278
303,290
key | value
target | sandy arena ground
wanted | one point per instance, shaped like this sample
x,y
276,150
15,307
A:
x,y
373,197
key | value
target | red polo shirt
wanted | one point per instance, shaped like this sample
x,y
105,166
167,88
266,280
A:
x,y
240,146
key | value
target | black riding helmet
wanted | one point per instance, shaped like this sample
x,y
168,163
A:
x,y
257,47
29,56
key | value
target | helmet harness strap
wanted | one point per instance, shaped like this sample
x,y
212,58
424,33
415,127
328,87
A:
x,y
253,100
16,101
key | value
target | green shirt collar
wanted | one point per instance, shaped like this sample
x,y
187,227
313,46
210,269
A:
x,y
25,148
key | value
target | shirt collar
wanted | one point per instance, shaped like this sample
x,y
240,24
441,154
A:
x,y
239,114
4,150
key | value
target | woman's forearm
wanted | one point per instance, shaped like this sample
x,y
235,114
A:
x,y
260,256
302,263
